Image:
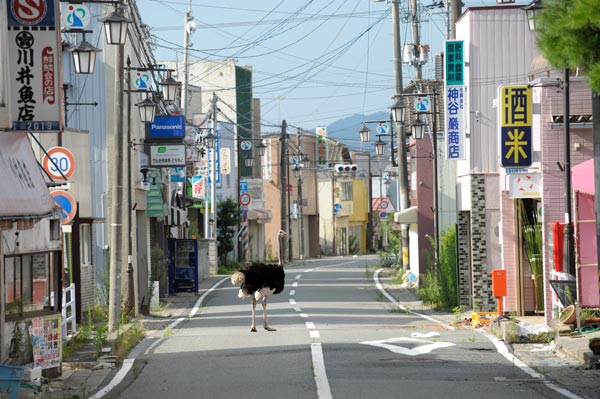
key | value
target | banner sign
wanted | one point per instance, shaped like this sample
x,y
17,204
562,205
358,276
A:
x,y
515,126
322,147
34,49
198,187
455,100
169,126
525,185
167,155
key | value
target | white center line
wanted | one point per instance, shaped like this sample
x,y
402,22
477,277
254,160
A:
x,y
297,309
292,302
323,389
310,325
292,292
304,315
295,284
314,334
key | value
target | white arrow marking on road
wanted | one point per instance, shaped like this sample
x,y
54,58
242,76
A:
x,y
419,350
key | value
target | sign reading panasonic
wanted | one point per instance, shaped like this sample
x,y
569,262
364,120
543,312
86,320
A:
x,y
171,126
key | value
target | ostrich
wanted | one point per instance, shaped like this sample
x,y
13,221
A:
x,y
261,281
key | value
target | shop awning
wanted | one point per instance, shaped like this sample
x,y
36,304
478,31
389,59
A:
x,y
583,177
407,216
23,191
261,216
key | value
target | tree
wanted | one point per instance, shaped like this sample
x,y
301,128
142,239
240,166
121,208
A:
x,y
228,219
569,37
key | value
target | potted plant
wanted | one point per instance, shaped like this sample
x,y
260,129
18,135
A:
x,y
595,345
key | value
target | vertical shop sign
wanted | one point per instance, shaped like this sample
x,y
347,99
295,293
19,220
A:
x,y
455,100
515,126
321,133
34,51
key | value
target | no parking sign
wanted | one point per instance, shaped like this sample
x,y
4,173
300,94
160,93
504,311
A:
x,y
66,201
59,160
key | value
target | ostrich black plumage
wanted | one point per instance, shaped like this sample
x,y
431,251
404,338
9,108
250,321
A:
x,y
261,281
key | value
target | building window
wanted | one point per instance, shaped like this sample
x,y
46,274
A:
x,y
28,283
347,193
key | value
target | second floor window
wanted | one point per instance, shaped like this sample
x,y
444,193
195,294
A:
x,y
346,192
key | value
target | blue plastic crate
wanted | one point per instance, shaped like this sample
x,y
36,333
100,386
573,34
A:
x,y
10,379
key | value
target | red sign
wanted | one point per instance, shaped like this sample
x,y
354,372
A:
x,y
59,159
289,188
245,199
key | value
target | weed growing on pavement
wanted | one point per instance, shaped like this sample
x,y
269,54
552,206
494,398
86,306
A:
x,y
168,332
127,340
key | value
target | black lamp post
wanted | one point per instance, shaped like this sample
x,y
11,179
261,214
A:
x,y
147,110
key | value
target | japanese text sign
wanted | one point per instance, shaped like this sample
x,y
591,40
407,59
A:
x,y
34,50
515,126
321,133
455,100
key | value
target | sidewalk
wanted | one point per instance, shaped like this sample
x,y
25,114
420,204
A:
x,y
84,375
563,363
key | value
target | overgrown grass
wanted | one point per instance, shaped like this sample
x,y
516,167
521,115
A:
x,y
439,287
127,340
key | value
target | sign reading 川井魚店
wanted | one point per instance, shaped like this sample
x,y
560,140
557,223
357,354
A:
x,y
515,126
455,99
34,50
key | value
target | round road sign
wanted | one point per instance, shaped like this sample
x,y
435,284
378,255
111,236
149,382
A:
x,y
57,160
384,204
245,199
66,201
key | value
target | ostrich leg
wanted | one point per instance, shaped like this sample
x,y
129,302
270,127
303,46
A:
x,y
265,324
253,327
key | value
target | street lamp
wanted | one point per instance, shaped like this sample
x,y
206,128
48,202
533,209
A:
x,y
84,57
418,128
249,161
147,110
365,134
170,88
398,109
532,10
115,27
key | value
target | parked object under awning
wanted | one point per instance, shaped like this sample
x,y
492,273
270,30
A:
x,y
407,216
583,177
23,192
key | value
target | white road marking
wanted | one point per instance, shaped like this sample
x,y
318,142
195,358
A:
x,y
500,346
292,302
299,310
295,284
323,389
304,315
314,334
298,277
427,346
292,292
310,325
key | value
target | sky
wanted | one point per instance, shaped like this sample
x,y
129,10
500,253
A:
x,y
314,61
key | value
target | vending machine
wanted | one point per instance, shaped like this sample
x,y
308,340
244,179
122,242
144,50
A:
x,y
183,266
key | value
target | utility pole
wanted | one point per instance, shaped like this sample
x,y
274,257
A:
x,y
300,199
284,185
187,31
213,172
416,39
402,185
455,11
116,197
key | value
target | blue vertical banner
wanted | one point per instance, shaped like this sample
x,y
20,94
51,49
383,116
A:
x,y
455,100
515,126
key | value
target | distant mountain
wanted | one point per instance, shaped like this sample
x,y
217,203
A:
x,y
346,130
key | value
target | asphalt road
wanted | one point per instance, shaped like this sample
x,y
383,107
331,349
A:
x,y
337,337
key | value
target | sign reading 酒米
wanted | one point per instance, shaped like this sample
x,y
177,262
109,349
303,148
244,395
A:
x,y
455,100
34,49
167,155
515,126
167,126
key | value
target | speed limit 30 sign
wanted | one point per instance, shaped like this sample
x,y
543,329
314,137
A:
x,y
59,160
